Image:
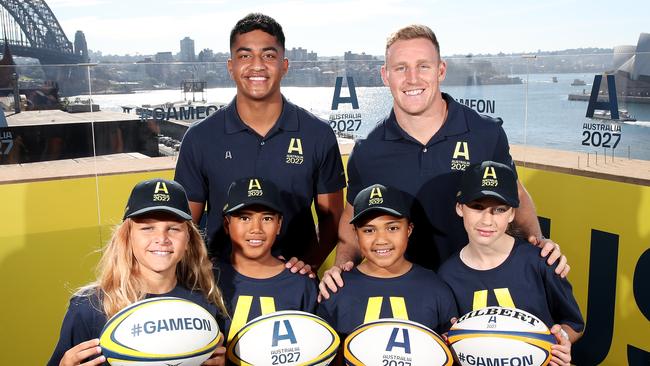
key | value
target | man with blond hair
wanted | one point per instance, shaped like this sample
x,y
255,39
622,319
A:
x,y
421,148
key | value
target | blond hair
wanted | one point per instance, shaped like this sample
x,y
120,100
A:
x,y
119,285
413,31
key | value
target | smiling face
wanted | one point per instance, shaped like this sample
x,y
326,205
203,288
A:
x,y
486,220
383,240
253,231
159,241
413,72
257,65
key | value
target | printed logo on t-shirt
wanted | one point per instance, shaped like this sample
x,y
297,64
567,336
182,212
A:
x,y
294,152
460,158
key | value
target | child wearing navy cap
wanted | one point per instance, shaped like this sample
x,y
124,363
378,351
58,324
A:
x,y
155,251
495,268
253,280
386,284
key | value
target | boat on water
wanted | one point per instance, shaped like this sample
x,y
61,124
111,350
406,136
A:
x,y
623,116
554,79
578,82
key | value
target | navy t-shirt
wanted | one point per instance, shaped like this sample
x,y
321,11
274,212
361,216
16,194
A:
x,y
429,175
85,319
523,280
299,154
418,295
247,298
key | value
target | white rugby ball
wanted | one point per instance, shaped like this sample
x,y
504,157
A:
x,y
284,338
395,342
501,336
159,332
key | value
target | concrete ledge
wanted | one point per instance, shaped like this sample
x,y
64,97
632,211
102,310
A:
x,y
569,162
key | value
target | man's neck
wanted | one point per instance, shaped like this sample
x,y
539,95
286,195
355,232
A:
x,y
260,115
424,126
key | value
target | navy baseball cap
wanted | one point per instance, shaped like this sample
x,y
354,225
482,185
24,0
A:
x,y
158,195
251,191
379,198
489,179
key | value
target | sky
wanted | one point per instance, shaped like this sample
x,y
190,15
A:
x,y
332,27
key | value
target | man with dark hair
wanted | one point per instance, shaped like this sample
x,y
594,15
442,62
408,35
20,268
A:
x,y
262,134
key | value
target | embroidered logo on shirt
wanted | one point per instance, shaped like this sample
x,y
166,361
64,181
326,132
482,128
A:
x,y
294,152
460,159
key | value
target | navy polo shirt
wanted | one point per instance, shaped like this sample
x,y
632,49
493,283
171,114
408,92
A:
x,y
299,154
429,175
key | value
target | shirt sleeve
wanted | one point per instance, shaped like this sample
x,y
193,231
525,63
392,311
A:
x,y
310,296
325,311
188,169
447,308
561,302
77,327
331,176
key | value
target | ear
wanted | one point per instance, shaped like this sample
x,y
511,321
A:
x,y
285,66
410,229
384,75
442,71
229,67
279,225
459,209
512,215
226,223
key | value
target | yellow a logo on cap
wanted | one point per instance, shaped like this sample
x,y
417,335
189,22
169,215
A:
x,y
161,186
489,173
376,192
295,146
254,184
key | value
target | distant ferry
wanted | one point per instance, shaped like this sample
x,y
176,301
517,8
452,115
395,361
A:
x,y
623,115
555,79
578,82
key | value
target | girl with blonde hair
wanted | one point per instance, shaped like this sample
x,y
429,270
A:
x,y
155,251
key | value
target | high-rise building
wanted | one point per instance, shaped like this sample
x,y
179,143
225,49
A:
x,y
187,50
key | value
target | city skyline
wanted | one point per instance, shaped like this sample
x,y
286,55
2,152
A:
x,y
148,27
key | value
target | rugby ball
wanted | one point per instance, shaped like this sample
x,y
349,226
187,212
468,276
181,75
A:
x,y
501,336
395,342
284,338
159,332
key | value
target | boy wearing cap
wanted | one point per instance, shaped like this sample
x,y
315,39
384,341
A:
x,y
255,282
495,268
386,284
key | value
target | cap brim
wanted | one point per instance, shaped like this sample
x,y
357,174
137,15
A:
x,y
369,210
171,210
241,206
481,194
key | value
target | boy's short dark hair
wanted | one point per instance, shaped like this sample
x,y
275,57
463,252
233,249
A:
x,y
257,21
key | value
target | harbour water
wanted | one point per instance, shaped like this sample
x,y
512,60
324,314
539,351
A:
x,y
536,113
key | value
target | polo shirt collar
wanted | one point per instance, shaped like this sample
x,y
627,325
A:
x,y
288,120
455,124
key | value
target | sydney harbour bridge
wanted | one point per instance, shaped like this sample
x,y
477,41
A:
x,y
30,29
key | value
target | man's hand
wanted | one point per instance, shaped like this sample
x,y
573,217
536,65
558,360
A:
x,y
552,250
295,265
332,280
